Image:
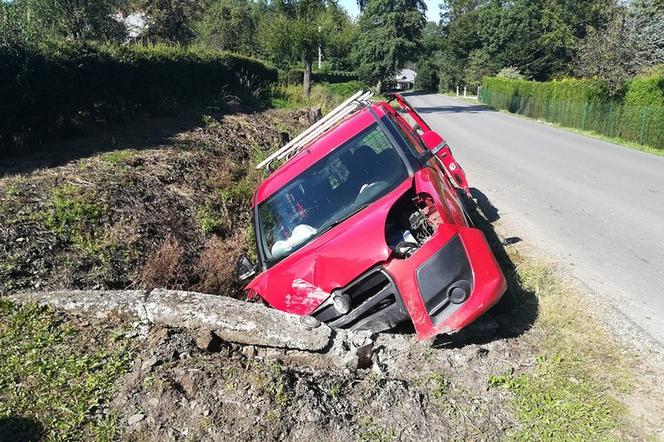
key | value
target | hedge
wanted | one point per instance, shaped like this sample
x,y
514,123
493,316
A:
x,y
53,90
636,114
295,76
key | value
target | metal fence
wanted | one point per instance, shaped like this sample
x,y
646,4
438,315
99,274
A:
x,y
641,124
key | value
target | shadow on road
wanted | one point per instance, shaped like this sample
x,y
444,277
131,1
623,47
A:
x,y
518,309
20,429
470,109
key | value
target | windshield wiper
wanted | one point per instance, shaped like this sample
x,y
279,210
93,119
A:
x,y
342,219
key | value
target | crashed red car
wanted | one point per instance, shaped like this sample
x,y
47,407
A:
x,y
363,226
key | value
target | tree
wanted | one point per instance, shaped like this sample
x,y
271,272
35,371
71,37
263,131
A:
x,y
169,21
296,29
389,37
614,54
510,73
64,19
480,65
648,18
229,25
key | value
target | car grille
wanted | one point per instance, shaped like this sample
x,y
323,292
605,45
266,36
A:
x,y
375,304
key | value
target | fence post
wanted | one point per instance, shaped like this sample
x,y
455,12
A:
x,y
584,115
457,90
643,124
464,92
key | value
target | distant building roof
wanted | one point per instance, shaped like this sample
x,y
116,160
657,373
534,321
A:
x,y
406,75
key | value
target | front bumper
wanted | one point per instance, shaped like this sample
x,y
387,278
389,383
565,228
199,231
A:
x,y
419,287
452,254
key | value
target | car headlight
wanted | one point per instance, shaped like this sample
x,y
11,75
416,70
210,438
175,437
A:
x,y
341,302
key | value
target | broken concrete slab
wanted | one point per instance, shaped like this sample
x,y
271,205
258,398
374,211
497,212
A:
x,y
234,321
101,304
263,331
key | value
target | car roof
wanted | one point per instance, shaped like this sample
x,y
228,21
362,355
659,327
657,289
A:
x,y
322,146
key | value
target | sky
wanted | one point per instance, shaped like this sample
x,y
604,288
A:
x,y
432,8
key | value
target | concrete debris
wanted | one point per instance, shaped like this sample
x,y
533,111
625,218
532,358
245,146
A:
x,y
263,332
135,418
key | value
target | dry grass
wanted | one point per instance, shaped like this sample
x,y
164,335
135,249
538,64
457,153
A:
x,y
143,214
163,267
216,264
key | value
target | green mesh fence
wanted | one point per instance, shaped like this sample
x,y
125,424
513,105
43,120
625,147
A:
x,y
641,124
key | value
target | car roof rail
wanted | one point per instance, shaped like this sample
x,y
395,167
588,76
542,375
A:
x,y
355,102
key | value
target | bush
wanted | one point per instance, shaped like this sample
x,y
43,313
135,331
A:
x,y
635,114
54,90
511,73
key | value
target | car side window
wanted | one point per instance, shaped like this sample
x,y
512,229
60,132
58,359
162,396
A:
x,y
415,147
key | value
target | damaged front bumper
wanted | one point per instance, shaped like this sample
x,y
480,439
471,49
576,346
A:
x,y
443,287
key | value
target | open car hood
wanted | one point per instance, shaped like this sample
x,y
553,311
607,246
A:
x,y
302,281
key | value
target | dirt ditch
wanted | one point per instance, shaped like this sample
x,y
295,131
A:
x,y
169,208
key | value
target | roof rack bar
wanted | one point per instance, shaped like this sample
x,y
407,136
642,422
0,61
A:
x,y
311,128
314,134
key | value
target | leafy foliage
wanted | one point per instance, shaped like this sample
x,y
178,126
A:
x,y
614,54
38,20
511,73
169,21
389,36
58,88
230,25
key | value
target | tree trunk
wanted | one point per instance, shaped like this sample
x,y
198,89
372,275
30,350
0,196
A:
x,y
306,78
379,87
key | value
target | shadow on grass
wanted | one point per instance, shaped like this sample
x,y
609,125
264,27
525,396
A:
x,y
141,133
20,429
518,309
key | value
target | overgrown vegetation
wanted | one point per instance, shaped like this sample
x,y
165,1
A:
x,y
175,213
326,95
55,90
56,378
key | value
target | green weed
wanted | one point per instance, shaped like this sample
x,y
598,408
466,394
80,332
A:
x,y
210,219
60,389
118,156
77,214
372,432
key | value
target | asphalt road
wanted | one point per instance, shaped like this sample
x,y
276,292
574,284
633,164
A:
x,y
593,206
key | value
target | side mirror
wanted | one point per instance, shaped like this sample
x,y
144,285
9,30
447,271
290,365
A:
x,y
245,269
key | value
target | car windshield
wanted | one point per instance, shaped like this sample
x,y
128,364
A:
x,y
332,190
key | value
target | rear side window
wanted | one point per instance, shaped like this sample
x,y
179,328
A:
x,y
413,144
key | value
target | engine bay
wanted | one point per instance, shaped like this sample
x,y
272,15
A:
x,y
411,221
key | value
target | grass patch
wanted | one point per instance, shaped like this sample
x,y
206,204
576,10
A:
x,y
325,95
55,376
118,156
569,393
372,432
76,214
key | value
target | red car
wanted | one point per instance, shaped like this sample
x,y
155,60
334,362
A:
x,y
362,226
